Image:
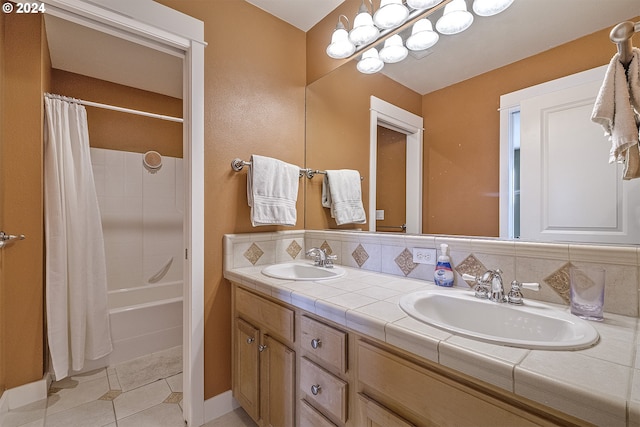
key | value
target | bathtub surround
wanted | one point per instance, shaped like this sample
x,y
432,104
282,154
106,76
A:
x,y
75,268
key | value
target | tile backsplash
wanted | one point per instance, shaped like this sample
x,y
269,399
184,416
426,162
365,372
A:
x,y
545,263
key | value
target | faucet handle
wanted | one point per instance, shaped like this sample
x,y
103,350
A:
x,y
481,286
515,295
328,263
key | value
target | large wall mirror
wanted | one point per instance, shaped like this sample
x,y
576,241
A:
x,y
456,89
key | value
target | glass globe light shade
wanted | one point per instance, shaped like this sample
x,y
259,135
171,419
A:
x,y
423,4
422,35
390,14
455,18
370,62
490,7
340,47
363,31
393,50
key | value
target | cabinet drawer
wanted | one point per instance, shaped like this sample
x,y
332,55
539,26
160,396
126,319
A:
x,y
273,318
310,417
328,345
323,390
376,415
405,387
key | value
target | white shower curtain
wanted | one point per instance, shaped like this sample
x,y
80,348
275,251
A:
x,y
75,271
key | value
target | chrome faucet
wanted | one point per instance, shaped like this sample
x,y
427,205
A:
x,y
321,258
489,286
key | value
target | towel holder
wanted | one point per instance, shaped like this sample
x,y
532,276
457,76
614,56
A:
x,y
238,164
621,35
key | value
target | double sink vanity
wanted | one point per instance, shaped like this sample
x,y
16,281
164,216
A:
x,y
345,346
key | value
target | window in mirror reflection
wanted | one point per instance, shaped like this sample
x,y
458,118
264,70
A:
x,y
391,189
514,174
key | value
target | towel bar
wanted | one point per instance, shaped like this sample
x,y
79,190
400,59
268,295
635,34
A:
x,y
238,164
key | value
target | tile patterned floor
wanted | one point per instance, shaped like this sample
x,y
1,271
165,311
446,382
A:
x,y
97,399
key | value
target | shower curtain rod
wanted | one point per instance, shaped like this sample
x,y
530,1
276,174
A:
x,y
114,108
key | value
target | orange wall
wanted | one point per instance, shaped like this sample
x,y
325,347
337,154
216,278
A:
x,y
254,103
3,346
462,137
391,182
26,68
123,131
338,131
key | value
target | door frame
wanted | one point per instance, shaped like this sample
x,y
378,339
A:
x,y
395,118
162,28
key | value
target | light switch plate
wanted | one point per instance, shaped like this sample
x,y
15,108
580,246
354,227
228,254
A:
x,y
424,256
380,214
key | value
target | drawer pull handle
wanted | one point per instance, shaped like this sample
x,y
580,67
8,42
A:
x,y
250,340
262,348
315,389
315,343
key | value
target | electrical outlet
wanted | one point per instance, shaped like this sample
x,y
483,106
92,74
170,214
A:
x,y
424,256
380,214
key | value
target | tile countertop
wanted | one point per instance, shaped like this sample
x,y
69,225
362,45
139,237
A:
x,y
600,384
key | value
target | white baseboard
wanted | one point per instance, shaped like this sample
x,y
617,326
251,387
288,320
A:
x,y
24,394
219,405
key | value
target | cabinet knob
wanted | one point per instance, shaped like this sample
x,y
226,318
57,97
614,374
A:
x,y
250,340
262,348
315,389
315,343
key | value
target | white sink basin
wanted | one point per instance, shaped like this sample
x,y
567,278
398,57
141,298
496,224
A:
x,y
302,271
532,325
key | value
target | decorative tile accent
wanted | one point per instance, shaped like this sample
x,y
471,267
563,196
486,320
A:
x,y
173,398
405,261
360,255
559,282
325,246
294,249
110,395
470,265
253,254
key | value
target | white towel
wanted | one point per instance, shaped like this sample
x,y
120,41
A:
x,y
272,191
613,111
341,193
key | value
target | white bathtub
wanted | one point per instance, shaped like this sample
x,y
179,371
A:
x,y
145,320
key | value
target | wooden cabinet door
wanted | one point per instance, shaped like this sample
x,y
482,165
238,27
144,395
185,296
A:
x,y
278,373
375,415
246,376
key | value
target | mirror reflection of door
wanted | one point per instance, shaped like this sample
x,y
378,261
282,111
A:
x,y
391,181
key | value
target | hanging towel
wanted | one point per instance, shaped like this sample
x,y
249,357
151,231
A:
x,y
614,112
341,193
272,191
632,160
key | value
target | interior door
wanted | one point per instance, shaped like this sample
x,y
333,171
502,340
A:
x,y
569,190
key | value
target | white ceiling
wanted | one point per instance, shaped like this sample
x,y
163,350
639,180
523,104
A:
x,y
526,28
82,50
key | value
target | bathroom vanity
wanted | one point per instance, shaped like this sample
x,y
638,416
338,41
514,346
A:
x,y
341,352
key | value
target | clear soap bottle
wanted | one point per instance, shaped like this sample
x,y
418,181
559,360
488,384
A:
x,y
443,274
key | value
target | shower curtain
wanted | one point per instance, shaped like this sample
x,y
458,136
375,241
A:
x,y
75,270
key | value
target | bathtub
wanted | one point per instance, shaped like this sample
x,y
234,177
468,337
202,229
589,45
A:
x,y
144,320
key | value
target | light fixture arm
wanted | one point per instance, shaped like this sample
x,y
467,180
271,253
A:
x,y
340,25
414,16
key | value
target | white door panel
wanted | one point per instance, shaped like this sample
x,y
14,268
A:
x,y
569,191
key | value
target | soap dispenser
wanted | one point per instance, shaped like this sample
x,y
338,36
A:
x,y
443,274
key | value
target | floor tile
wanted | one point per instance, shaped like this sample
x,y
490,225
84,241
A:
x,y
147,369
141,399
78,394
25,415
163,415
237,418
175,383
98,413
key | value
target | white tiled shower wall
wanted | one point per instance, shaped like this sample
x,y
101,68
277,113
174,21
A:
x,y
142,216
522,261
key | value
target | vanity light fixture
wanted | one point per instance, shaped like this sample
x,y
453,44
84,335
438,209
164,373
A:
x,y
456,18
370,63
393,17
393,50
363,31
340,47
390,14
422,35
490,7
